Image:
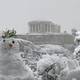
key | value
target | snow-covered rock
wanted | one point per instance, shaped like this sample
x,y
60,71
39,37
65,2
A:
x,y
23,43
76,53
77,38
63,65
74,74
44,63
54,49
30,50
77,49
78,33
48,60
72,65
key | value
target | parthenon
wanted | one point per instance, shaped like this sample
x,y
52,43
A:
x,y
43,27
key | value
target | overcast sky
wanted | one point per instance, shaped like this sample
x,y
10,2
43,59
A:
x,y
16,13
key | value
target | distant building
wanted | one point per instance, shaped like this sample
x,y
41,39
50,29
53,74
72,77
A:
x,y
43,27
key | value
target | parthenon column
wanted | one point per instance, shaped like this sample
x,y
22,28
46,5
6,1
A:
x,y
35,28
31,28
46,28
50,27
38,27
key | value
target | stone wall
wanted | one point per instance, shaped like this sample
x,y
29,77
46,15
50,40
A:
x,y
59,39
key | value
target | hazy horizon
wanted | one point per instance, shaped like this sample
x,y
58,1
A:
x,y
16,13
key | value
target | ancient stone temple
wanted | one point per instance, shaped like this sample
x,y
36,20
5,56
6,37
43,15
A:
x,y
43,27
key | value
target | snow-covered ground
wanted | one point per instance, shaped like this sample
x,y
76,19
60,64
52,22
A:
x,y
21,59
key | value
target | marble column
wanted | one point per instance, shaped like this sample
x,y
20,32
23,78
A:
x,y
39,28
31,28
50,27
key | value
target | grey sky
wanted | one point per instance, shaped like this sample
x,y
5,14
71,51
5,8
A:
x,y
16,13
